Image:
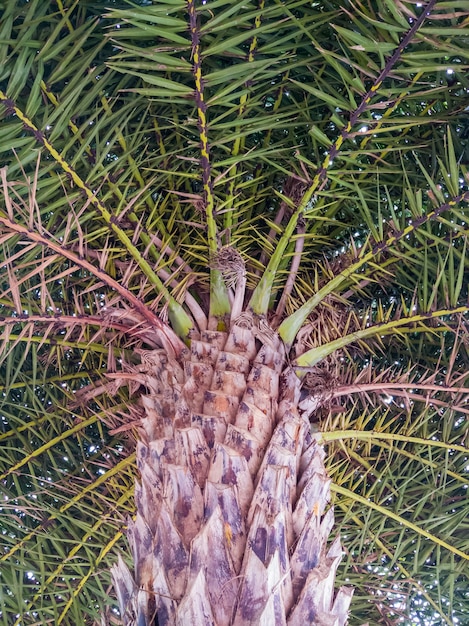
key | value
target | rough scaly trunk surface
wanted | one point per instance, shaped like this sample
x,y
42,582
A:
x,y
232,520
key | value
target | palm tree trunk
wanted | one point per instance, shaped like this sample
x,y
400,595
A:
x,y
232,520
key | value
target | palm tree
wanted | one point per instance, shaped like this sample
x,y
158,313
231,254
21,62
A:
x,y
233,233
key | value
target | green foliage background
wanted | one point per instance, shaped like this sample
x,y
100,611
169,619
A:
x,y
307,104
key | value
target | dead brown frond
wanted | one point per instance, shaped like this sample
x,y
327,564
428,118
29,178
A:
x,y
331,320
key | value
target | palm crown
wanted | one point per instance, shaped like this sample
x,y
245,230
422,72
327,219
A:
x,y
172,164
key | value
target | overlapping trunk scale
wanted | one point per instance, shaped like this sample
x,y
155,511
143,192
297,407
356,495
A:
x,y
232,515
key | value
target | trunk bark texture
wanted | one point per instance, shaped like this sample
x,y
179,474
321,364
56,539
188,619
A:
x,y
232,520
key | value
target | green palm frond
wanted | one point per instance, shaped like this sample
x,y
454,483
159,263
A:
x,y
324,141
